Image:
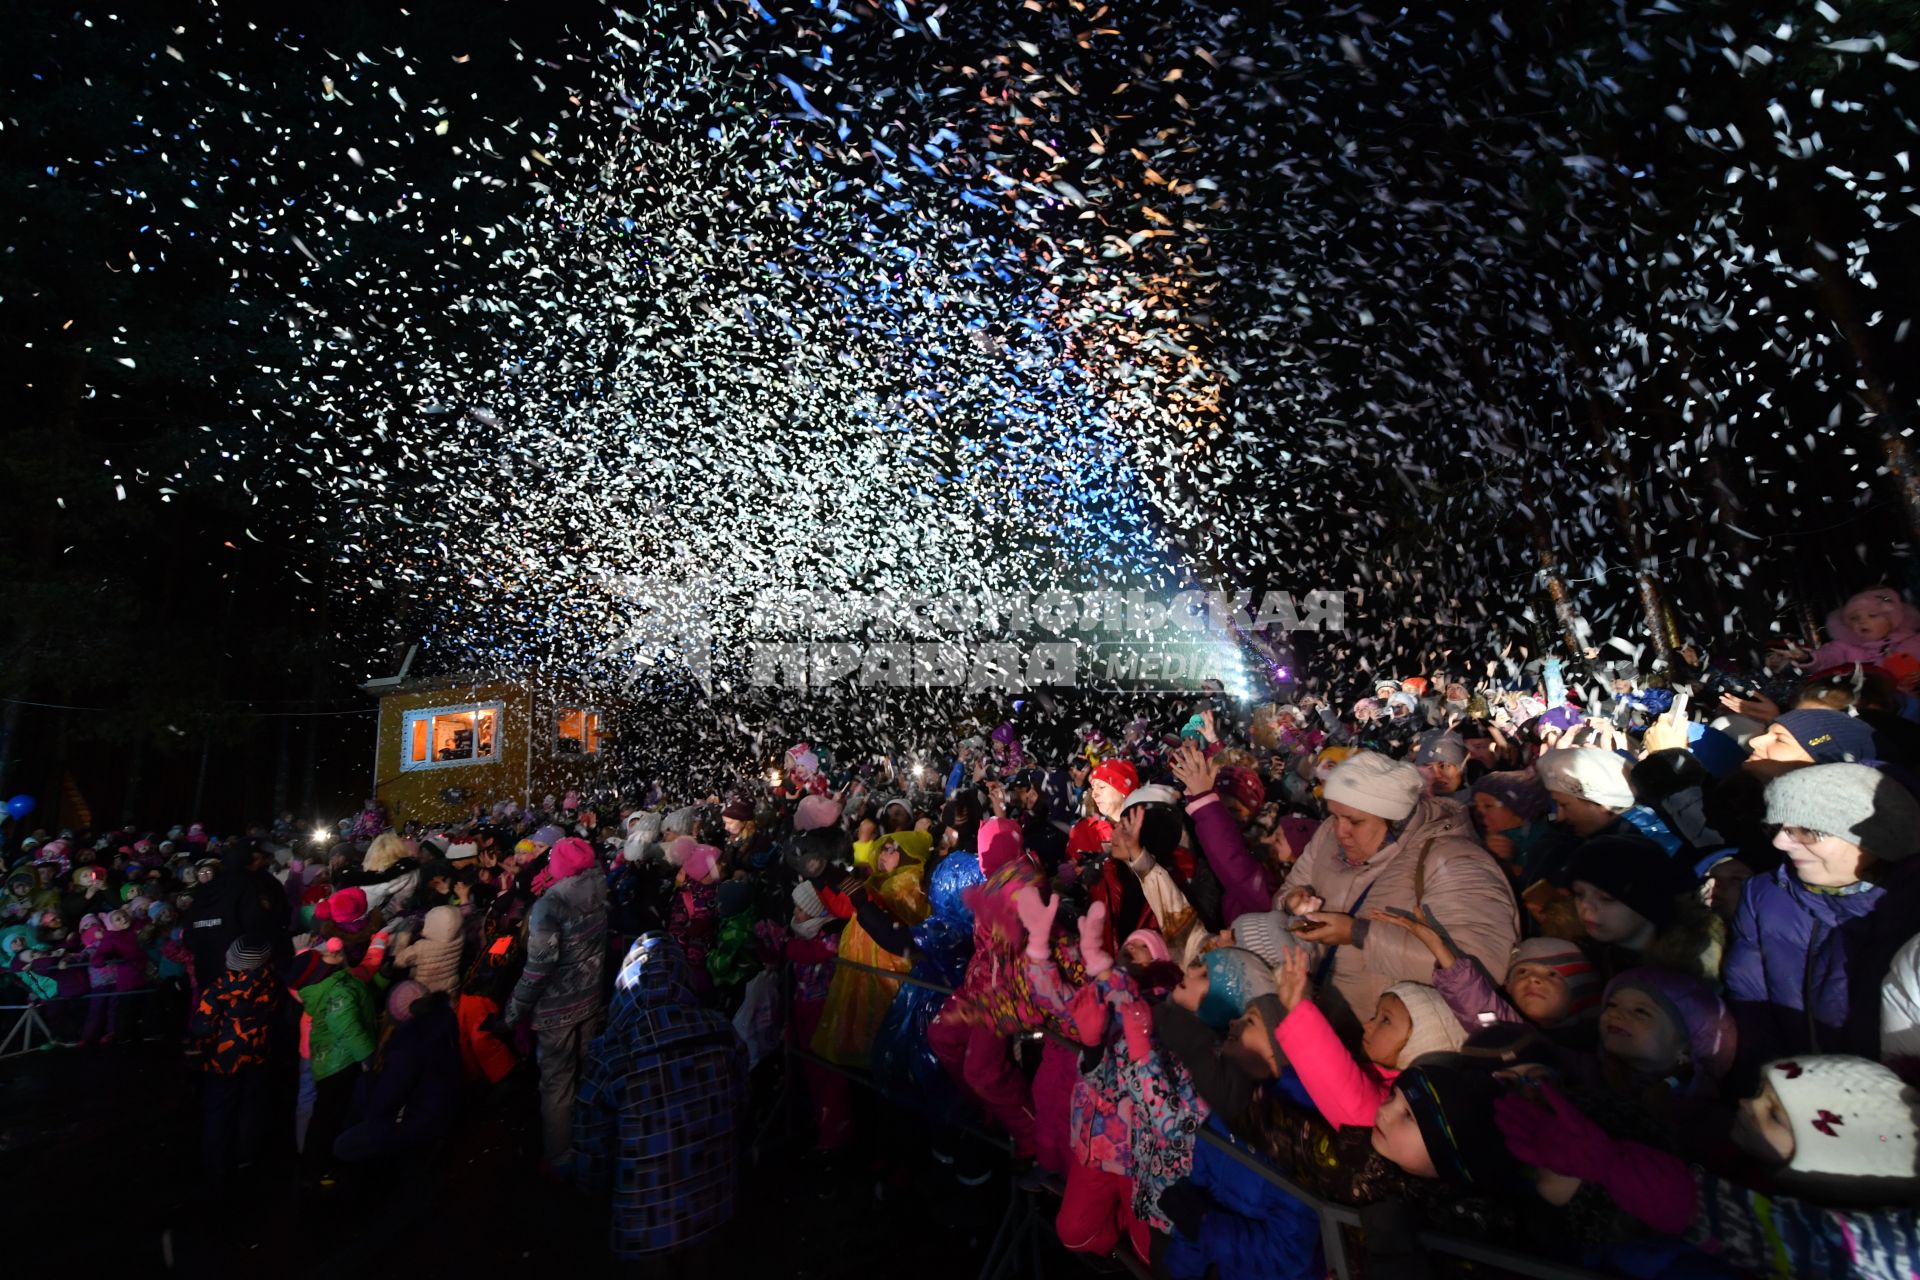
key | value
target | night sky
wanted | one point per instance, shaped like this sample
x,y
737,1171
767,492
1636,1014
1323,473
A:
x,y
516,329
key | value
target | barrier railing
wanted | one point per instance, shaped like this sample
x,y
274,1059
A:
x,y
31,1030
1334,1218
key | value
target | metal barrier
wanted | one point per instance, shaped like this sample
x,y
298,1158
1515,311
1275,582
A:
x,y
1022,1217
31,1030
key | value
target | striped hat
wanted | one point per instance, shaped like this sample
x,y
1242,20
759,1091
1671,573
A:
x,y
246,952
1570,962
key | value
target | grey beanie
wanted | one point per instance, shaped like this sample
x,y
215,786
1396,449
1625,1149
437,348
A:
x,y
1856,802
247,952
1265,933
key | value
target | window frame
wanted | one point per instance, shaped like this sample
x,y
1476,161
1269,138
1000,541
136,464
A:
x,y
590,717
410,718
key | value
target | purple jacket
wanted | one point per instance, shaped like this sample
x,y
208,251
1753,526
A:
x,y
1804,969
1245,883
120,951
1472,994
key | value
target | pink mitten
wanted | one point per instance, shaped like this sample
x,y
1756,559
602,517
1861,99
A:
x,y
1136,1025
1037,916
1093,934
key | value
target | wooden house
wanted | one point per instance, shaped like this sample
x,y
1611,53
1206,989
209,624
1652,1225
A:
x,y
448,743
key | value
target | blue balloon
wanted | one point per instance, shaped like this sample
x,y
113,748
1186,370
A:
x,y
20,806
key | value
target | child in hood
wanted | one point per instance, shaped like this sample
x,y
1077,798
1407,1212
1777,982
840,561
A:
x,y
1410,1021
119,966
336,1040
434,958
693,919
1874,628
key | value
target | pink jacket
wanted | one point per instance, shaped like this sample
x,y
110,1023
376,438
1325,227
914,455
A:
x,y
1346,1091
121,954
1245,883
1903,642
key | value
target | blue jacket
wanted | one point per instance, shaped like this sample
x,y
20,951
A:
x,y
661,1104
1255,1231
1804,969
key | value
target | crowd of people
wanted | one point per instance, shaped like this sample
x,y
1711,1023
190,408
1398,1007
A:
x,y
1621,971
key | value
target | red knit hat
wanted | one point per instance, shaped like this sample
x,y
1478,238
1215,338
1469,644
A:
x,y
1088,835
1119,775
347,906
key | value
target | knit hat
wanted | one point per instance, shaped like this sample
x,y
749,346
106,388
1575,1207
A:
x,y
1829,736
1696,1008
402,998
738,810
1375,784
347,907
1237,782
699,861
1000,843
247,952
1436,1029
1858,803
118,919
1118,774
1087,836
464,851
548,835
569,858
1592,773
817,916
1636,871
684,820
1437,747
1265,933
1152,793
1517,789
1150,939
1567,960
1856,1126
1235,979
1453,1105
807,898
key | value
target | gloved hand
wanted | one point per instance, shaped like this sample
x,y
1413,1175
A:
x,y
1093,940
1651,1185
1185,1206
1037,916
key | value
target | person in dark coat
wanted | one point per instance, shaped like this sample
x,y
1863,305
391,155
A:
x,y
661,1108
414,1094
238,902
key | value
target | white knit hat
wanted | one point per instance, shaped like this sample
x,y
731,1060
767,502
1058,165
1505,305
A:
x,y
1436,1028
1372,783
1592,773
1856,1125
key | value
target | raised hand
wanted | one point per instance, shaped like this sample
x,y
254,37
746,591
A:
x,y
1037,916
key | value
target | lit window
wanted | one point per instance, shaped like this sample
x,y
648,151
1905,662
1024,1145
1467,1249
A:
x,y
576,731
438,737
